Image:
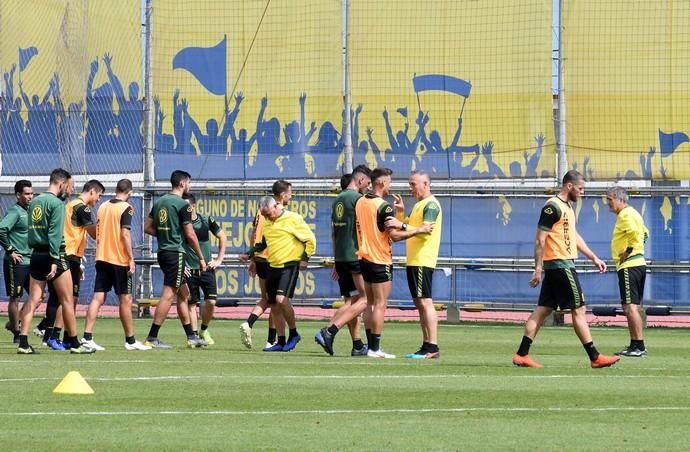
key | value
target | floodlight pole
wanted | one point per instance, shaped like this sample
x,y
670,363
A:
x,y
347,120
146,288
562,160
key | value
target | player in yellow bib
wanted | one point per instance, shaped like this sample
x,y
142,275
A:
x,y
555,249
627,251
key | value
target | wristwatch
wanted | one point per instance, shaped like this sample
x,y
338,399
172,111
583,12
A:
x,y
404,227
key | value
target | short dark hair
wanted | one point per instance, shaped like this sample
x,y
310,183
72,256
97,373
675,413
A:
x,y
572,176
178,176
345,180
379,173
93,184
123,186
20,185
361,169
189,197
280,186
59,175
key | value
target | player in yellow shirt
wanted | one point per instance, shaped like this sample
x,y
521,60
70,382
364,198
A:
x,y
627,251
422,253
555,249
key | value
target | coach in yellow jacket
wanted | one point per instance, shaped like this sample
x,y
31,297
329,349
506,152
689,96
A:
x,y
627,251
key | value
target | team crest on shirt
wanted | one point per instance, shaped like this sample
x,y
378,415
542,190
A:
x,y
36,214
339,210
548,210
162,216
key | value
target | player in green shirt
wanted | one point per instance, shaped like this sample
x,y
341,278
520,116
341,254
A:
x,y
49,261
170,221
346,269
14,238
197,280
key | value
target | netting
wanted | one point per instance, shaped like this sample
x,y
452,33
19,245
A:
x,y
627,88
459,88
248,89
71,87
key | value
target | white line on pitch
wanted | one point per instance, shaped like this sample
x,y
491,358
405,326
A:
x,y
352,411
344,377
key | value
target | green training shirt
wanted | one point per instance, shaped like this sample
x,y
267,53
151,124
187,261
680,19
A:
x,y
169,214
344,226
203,228
47,223
14,233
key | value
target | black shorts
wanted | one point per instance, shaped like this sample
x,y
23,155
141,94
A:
x,y
419,280
345,270
376,273
16,278
110,276
561,289
202,281
631,284
172,266
261,268
75,270
282,281
41,262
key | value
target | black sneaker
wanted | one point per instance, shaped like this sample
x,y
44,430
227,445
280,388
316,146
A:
x,y
360,351
27,351
325,340
633,352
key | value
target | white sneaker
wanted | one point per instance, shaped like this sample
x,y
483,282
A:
x,y
91,344
137,346
38,332
379,354
269,345
246,332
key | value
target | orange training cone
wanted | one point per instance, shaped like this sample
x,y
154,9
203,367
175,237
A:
x,y
73,383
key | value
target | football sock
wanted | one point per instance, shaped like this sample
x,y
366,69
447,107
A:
x,y
375,342
252,319
333,330
524,346
88,336
357,344
153,332
130,339
281,340
272,333
591,351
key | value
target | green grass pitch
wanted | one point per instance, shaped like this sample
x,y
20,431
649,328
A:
x,y
229,398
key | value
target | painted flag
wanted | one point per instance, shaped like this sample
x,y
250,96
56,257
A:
x,y
207,64
439,82
668,142
25,55
402,111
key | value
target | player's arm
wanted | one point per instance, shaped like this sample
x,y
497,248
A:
x,y
304,234
188,231
85,218
6,226
217,231
126,236
584,249
56,226
149,227
550,214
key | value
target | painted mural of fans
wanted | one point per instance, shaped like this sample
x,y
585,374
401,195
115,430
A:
x,y
164,142
434,144
100,120
401,147
240,144
181,128
40,123
213,142
70,131
130,115
14,135
296,147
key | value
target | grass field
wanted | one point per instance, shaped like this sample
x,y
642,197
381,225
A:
x,y
229,398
